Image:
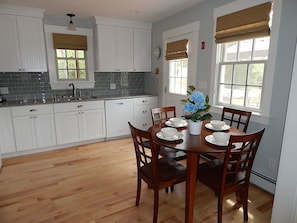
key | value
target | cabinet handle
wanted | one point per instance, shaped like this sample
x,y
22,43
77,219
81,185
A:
x,y
79,106
32,110
144,111
144,124
120,103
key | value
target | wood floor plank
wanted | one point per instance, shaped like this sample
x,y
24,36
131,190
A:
x,y
97,183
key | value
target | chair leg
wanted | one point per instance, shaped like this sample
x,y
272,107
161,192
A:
x,y
156,205
138,190
172,188
220,208
166,190
244,199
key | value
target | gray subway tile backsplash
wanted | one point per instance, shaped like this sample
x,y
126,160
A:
x,y
35,85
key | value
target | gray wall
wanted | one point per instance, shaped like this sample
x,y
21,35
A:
x,y
203,12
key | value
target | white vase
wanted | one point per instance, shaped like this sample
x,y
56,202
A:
x,y
195,127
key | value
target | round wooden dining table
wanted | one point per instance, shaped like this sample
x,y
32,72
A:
x,y
193,146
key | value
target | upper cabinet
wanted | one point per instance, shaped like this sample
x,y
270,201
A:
x,y
122,46
22,41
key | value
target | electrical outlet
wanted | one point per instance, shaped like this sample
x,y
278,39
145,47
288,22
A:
x,y
112,86
272,164
4,90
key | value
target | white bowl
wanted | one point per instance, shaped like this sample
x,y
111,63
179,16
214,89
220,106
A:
x,y
176,121
168,132
217,124
221,137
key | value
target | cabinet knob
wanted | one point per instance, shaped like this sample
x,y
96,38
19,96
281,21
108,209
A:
x,y
32,110
145,111
144,101
79,106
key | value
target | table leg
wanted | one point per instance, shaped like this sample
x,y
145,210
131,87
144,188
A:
x,y
192,161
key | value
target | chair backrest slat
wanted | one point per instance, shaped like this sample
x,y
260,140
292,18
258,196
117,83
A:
x,y
162,114
236,118
240,156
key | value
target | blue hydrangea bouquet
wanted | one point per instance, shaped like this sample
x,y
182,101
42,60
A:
x,y
196,106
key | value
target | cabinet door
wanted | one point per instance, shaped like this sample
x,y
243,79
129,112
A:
x,y
45,130
67,127
7,144
124,49
10,59
142,50
92,124
24,130
107,48
32,45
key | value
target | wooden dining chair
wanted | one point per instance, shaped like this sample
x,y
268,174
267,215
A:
x,y
234,117
237,118
157,171
232,174
161,115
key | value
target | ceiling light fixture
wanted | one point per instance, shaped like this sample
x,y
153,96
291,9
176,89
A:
x,y
71,26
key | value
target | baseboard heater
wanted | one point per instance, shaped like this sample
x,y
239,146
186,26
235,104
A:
x,y
263,177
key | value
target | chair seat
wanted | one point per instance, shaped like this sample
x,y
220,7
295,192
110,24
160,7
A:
x,y
173,154
211,172
168,169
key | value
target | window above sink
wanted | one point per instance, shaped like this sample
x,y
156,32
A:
x,y
60,83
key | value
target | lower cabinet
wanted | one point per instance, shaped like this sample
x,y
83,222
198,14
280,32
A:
x,y
34,127
7,144
79,121
142,111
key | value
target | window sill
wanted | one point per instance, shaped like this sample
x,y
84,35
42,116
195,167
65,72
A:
x,y
256,116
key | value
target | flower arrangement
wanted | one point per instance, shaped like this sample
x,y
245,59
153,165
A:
x,y
196,105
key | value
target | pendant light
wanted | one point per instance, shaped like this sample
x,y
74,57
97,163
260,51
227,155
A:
x,y
71,26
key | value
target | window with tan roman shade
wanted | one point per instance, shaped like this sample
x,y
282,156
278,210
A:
x,y
244,24
72,42
177,50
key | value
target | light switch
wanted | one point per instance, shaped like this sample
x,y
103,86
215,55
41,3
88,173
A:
x,y
202,85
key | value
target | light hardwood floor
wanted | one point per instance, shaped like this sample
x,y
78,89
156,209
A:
x,y
97,183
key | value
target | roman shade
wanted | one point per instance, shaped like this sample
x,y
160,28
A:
x,y
72,42
177,50
245,24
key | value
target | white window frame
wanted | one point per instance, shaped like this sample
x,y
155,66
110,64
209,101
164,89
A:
x,y
263,115
52,64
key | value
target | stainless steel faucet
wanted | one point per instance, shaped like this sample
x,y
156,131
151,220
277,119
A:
x,y
73,89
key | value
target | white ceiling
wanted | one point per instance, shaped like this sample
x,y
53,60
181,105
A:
x,y
141,10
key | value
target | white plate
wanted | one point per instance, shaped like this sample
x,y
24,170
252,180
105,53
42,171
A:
x,y
211,140
184,123
178,136
224,128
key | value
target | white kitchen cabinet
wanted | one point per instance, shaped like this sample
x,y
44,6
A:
x,y
78,121
123,46
118,112
33,126
7,144
22,44
142,50
115,48
142,111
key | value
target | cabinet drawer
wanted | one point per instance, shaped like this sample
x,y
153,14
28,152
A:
x,y
77,106
142,111
31,109
145,100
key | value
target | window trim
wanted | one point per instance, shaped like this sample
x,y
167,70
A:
x,y
263,115
61,84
